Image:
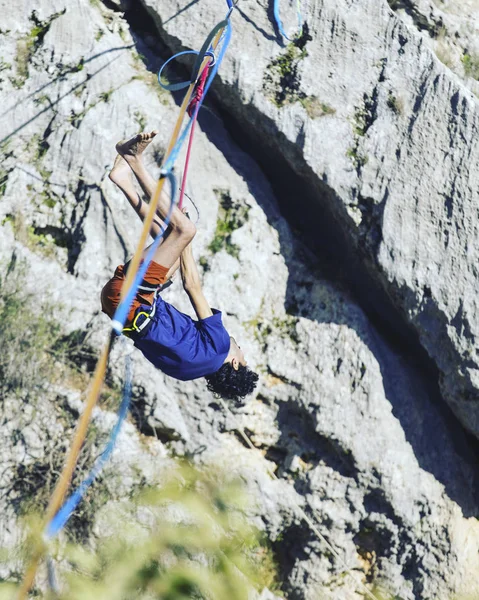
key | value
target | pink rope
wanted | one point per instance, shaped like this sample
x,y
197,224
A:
x,y
191,107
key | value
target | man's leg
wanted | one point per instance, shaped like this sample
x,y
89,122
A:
x,y
146,180
182,229
121,175
148,183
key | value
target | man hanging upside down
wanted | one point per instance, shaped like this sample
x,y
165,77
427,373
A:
x,y
175,343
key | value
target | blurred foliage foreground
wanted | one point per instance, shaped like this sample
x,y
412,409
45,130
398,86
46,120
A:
x,y
189,540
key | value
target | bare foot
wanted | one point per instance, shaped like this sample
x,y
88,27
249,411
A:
x,y
121,173
132,149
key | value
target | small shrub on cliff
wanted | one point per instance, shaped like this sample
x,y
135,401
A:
x,y
26,334
471,65
231,216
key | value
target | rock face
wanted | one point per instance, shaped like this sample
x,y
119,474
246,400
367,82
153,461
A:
x,y
381,136
348,163
451,29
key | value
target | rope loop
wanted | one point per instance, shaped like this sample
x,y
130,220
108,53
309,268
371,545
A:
x,y
279,23
181,85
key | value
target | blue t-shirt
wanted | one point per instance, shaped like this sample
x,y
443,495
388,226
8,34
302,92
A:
x,y
181,347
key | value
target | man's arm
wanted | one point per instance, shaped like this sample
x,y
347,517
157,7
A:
x,y
192,284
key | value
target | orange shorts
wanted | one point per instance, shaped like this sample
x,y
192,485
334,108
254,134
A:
x,y
110,294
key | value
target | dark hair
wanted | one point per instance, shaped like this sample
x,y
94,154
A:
x,y
232,384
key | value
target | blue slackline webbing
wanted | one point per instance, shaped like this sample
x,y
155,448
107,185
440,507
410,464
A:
x,y
279,23
60,519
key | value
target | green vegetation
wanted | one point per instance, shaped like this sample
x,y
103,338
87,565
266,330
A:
x,y
281,78
41,242
123,34
42,100
314,107
3,181
99,34
360,121
231,217
44,173
35,355
189,540
63,69
35,481
282,82
260,327
78,67
24,362
34,238
29,44
222,239
38,147
286,63
79,90
358,159
76,118
471,65
287,327
150,79
394,104
140,120
261,330
366,114
105,96
204,264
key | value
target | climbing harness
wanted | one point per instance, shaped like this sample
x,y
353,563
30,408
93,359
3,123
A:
x,y
279,23
142,318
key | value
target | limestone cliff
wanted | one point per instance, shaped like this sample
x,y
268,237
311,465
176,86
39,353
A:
x,y
349,163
